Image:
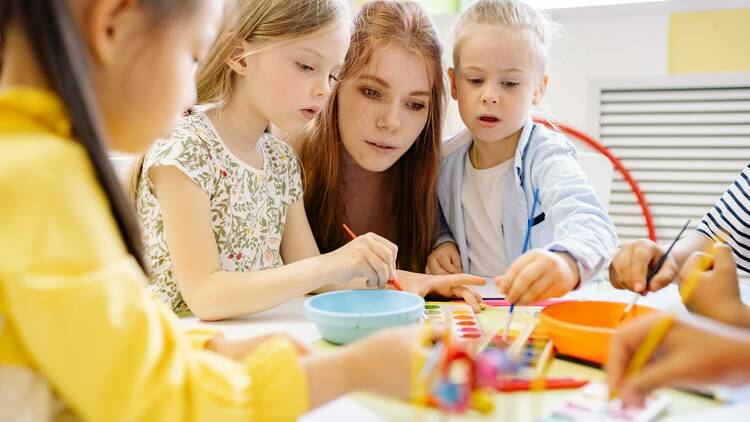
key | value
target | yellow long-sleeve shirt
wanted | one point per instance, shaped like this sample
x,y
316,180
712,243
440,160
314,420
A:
x,y
76,325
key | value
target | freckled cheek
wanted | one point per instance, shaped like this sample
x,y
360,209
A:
x,y
349,130
415,126
366,114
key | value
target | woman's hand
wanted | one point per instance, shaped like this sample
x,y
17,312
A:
x,y
456,286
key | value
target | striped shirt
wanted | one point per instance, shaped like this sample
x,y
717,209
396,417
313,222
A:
x,y
729,219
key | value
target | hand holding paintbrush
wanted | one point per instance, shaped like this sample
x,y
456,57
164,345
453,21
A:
x,y
392,281
627,360
652,272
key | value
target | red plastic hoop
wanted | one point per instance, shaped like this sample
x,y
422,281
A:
x,y
615,162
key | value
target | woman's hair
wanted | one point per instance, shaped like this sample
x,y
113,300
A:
x,y
380,24
514,14
61,54
262,23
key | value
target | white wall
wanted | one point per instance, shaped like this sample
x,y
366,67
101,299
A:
x,y
600,42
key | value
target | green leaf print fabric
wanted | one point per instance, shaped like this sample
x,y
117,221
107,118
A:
x,y
248,205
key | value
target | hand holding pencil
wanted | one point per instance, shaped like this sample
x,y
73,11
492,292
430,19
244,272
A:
x,y
659,349
686,353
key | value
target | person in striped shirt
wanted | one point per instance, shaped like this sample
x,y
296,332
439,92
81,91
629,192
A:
x,y
717,295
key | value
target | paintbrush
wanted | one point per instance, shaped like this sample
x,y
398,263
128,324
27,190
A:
x,y
660,329
652,272
392,281
526,245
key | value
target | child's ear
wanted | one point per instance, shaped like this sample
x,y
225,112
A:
x,y
540,90
106,25
452,76
237,60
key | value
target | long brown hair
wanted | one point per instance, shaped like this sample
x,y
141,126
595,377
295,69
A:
x,y
61,54
380,23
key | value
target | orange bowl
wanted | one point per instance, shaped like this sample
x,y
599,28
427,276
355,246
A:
x,y
583,329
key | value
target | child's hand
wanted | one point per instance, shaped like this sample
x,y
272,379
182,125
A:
x,y
537,275
444,259
370,256
454,285
631,263
717,294
687,354
385,361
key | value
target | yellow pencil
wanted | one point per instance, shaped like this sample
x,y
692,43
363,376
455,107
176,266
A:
x,y
649,345
659,330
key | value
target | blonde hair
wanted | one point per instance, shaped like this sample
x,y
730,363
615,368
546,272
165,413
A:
x,y
262,23
514,14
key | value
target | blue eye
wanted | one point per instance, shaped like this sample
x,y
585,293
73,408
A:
x,y
303,67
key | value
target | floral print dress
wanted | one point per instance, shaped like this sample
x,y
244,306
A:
x,y
248,205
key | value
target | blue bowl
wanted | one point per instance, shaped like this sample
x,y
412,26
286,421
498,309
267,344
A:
x,y
348,315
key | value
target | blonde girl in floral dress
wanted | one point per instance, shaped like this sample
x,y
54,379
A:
x,y
221,201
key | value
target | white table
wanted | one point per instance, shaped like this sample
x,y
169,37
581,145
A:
x,y
289,319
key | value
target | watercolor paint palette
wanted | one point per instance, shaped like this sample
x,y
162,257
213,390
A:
x,y
459,317
533,338
591,403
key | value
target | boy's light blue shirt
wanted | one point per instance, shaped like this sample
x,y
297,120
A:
x,y
569,217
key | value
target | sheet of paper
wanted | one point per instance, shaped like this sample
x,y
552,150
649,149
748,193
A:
x,y
591,404
730,413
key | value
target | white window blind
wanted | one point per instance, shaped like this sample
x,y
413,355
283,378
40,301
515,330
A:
x,y
684,138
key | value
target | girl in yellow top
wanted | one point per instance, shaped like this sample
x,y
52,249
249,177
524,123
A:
x,y
78,334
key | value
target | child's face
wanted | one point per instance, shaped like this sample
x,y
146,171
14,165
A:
x,y
382,111
143,74
496,82
288,83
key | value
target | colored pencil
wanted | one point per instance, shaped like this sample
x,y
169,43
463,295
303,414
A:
x,y
649,345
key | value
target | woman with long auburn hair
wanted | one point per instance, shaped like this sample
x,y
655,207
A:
x,y
371,159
